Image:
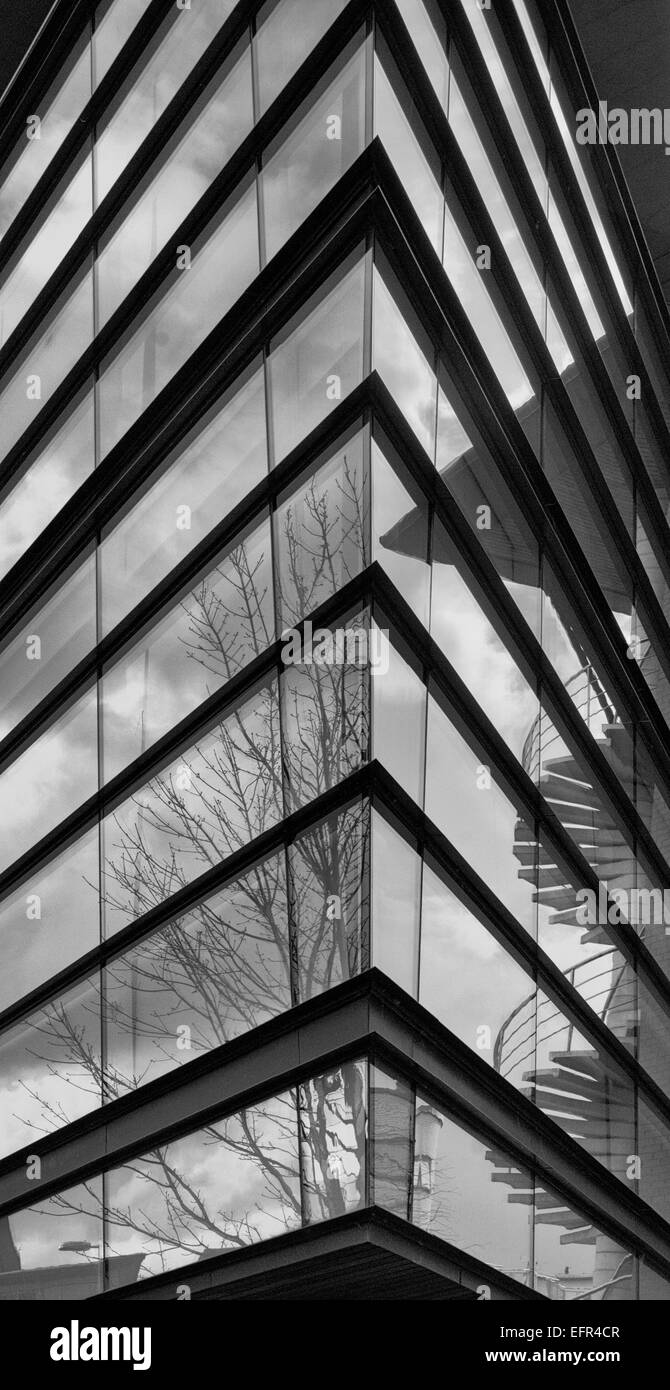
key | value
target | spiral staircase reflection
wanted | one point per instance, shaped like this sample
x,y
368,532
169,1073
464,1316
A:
x,y
537,1047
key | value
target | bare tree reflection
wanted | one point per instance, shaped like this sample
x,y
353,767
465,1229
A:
x,y
291,926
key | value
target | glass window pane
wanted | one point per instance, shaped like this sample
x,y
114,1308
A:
x,y
318,361
429,34
55,473
53,1250
329,877
399,714
534,162
111,31
396,898
219,626
309,161
48,243
512,235
483,316
219,795
50,1067
400,530
321,532
652,1034
51,778
226,1186
487,505
653,1287
51,920
46,362
576,1260
200,150
400,362
471,643
654,1155
469,981
391,1141
222,267
48,644
326,711
221,460
333,1131
204,978
541,1051
286,32
420,178
60,108
464,800
459,1194
172,55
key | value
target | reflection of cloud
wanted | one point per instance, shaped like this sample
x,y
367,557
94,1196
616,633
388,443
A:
x,y
46,248
34,949
50,779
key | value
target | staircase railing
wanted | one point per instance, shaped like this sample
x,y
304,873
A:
x,y
533,1022
592,702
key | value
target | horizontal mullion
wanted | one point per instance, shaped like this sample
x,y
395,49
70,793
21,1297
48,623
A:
x,y
518,786
542,971
244,158
520,640
41,64
566,42
225,700
452,320
603,280
356,785
142,1102
340,222
368,1226
530,341
324,221
136,622
372,1017
83,127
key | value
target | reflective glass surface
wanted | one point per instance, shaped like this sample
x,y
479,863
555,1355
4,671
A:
x,y
218,627
197,297
318,360
51,920
55,472
204,978
47,361
329,878
220,461
60,108
324,143
54,775
459,1193
158,75
286,31
48,644
219,794
199,151
321,532
50,1067
46,247
54,1249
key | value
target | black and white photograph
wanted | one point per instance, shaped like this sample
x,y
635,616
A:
x,y
334,673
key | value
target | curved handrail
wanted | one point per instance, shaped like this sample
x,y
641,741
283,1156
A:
x,y
542,1015
587,693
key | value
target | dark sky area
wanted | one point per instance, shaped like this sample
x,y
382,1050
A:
x,y
628,47
19,22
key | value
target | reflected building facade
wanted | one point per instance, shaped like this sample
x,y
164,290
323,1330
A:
x,y
335,660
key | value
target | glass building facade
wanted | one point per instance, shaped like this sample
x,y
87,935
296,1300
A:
x,y
334,657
